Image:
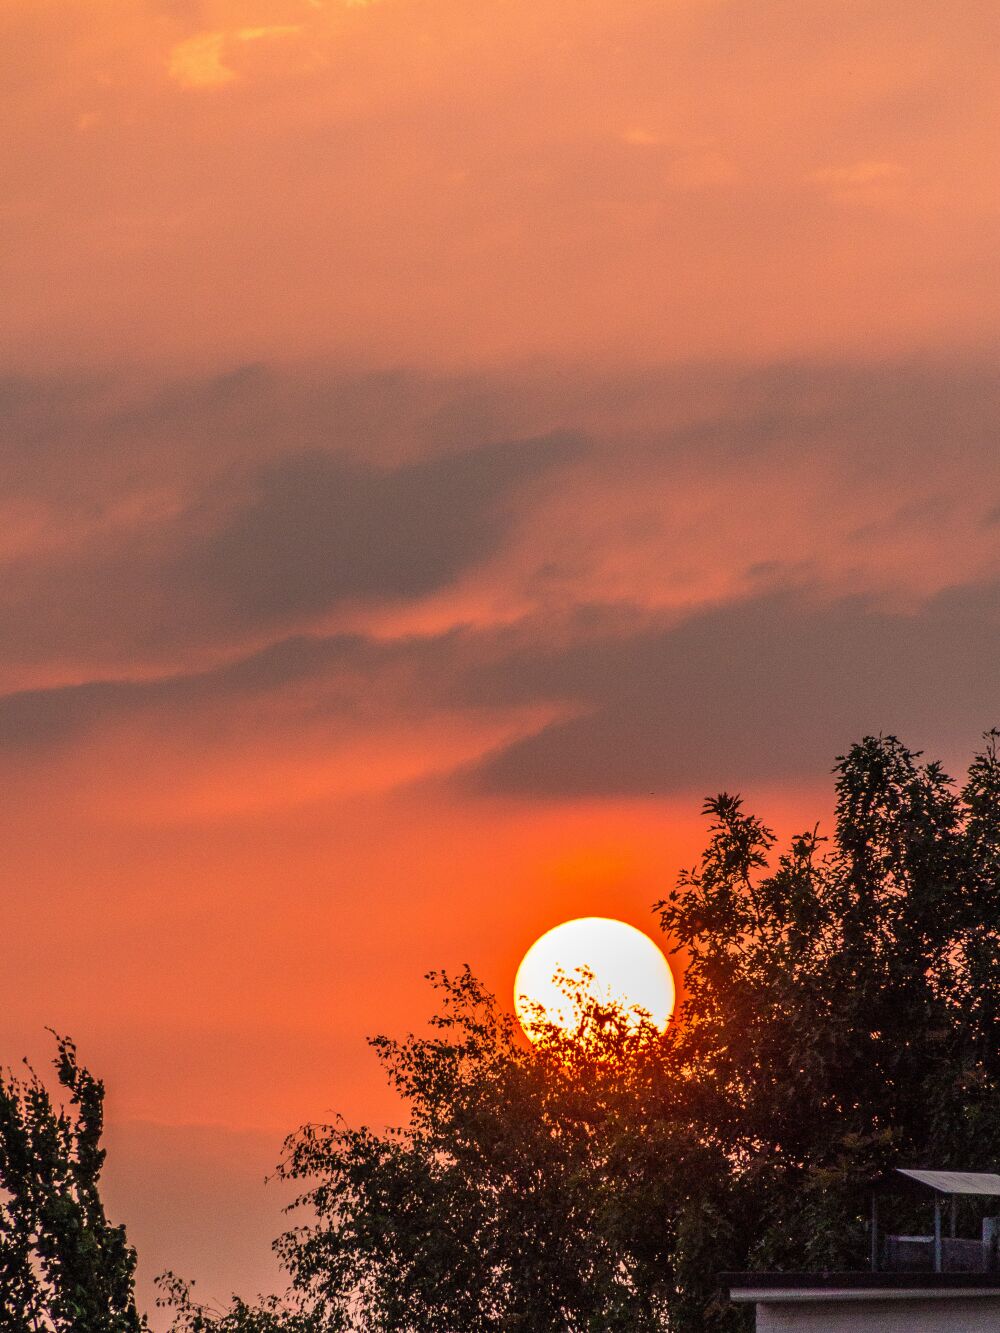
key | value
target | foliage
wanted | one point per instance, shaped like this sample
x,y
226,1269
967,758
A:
x,y
533,1188
268,1315
841,1014
843,1010
63,1267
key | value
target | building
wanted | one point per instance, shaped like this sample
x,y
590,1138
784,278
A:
x,y
936,1281
870,1302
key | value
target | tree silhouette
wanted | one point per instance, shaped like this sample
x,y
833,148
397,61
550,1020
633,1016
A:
x,y
841,1013
63,1267
522,1192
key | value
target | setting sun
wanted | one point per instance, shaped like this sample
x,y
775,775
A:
x,y
619,964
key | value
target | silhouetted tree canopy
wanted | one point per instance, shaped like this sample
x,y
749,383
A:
x,y
843,1008
841,1014
532,1188
63,1267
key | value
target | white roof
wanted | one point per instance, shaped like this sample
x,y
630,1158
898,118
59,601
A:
x,y
956,1182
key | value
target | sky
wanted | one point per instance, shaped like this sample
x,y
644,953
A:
x,y
441,443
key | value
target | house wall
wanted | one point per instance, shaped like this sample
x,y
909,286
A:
x,y
913,1314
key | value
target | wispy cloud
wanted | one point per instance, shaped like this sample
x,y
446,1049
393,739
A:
x,y
201,61
412,163
268,30
858,173
197,62
471,555
867,181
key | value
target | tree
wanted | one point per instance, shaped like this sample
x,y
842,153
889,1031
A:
x,y
542,1187
269,1315
841,1014
844,1008
63,1267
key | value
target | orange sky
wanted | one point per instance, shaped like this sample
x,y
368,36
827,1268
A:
x,y
429,181
442,442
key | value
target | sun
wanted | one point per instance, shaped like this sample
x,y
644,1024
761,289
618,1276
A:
x,y
625,968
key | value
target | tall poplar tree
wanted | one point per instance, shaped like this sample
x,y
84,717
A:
x,y
64,1268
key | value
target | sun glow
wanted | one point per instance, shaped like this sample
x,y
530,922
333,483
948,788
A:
x,y
615,964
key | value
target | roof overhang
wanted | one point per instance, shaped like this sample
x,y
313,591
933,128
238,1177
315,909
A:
x,y
982,1183
809,1288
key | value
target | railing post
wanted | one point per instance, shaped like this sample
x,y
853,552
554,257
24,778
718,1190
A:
x,y
937,1233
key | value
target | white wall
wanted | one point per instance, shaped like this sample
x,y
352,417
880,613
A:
x,y
951,1314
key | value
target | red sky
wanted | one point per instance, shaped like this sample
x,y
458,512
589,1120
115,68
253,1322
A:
x,y
442,442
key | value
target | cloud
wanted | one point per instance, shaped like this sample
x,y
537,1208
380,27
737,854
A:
x,y
200,61
858,173
562,583
869,181
270,30
604,702
43,718
142,553
639,137
759,690
156,526
306,720
197,62
425,183
317,529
